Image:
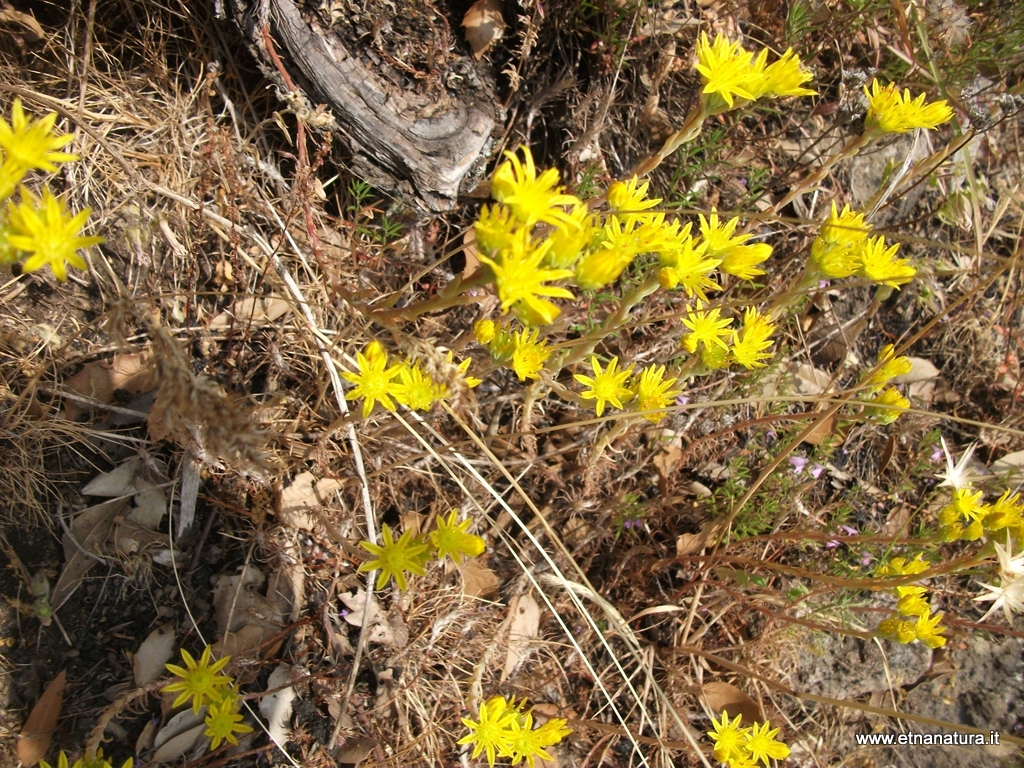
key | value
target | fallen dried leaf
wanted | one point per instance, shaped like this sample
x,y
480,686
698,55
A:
x,y
478,580
182,733
150,505
379,627
99,380
666,461
355,602
90,529
823,431
303,494
242,645
287,585
688,543
1010,468
721,696
129,538
484,25
119,481
887,453
471,253
36,734
354,750
920,370
145,741
276,707
236,602
155,651
522,632
808,380
28,23
251,311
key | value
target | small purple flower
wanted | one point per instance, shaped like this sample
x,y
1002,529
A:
x,y
831,544
682,400
798,462
848,530
823,284
866,560
936,456
816,470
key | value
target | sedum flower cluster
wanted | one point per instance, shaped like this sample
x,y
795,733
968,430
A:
x,y
913,619
885,403
744,747
202,684
844,247
410,554
96,761
37,231
733,77
505,729
967,516
720,344
590,251
405,381
889,111
532,264
647,392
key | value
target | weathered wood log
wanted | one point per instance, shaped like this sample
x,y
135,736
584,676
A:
x,y
404,143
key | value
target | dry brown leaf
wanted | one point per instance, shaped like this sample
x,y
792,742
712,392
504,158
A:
x,y
183,721
356,602
484,25
824,431
91,529
354,750
575,531
477,579
688,543
129,538
178,746
887,453
150,505
236,603
808,380
666,461
244,644
412,522
276,707
897,521
922,393
521,633
145,741
303,494
126,479
380,628
99,380
32,29
472,254
155,651
286,587
721,696
251,311
119,481
1010,468
920,370
180,735
36,734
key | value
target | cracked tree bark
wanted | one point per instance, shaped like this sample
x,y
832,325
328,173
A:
x,y
403,143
